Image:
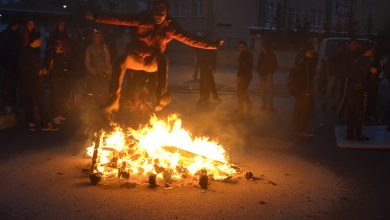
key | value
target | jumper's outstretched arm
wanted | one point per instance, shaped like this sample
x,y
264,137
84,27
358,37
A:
x,y
186,38
128,21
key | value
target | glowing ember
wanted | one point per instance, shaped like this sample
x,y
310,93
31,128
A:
x,y
163,148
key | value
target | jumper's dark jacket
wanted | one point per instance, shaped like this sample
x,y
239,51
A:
x,y
150,38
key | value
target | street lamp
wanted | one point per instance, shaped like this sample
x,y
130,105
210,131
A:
x,y
64,6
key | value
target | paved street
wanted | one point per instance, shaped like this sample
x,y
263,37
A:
x,y
41,175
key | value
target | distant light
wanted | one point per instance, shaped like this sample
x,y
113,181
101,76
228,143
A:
x,y
64,6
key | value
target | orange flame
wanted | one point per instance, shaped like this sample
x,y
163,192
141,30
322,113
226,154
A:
x,y
160,146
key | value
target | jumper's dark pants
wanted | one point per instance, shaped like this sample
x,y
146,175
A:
x,y
161,90
304,105
162,77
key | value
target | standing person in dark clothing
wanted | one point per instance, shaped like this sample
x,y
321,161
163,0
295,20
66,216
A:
x,y
244,77
207,66
362,68
154,30
33,75
59,79
11,44
335,72
266,67
351,54
303,74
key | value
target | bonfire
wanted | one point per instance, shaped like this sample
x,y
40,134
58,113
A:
x,y
160,151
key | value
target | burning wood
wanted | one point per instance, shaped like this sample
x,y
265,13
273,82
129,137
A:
x,y
160,150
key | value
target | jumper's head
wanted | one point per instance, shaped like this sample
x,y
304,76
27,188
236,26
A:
x,y
160,11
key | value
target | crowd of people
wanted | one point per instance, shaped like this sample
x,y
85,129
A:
x,y
47,79
352,75
42,76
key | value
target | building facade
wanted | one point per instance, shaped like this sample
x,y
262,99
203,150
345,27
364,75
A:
x,y
360,16
73,6
230,19
219,19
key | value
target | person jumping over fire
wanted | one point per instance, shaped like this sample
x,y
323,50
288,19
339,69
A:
x,y
147,51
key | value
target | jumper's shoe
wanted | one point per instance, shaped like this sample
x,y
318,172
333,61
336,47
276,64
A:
x,y
164,101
